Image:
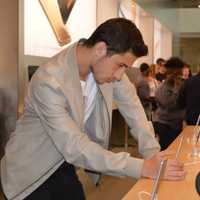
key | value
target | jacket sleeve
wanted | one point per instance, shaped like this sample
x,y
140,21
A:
x,y
181,100
130,107
51,106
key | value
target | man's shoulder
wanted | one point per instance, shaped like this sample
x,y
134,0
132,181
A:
x,y
61,61
194,80
61,55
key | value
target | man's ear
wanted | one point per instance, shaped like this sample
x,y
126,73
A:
x,y
100,49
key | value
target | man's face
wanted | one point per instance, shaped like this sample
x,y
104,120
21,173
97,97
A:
x,y
162,69
185,73
111,68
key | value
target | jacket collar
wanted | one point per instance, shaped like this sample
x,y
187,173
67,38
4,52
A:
x,y
70,81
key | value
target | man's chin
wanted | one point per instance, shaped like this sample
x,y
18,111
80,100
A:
x,y
100,82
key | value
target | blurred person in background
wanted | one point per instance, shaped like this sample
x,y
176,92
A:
x,y
153,70
146,89
186,72
190,98
160,70
168,118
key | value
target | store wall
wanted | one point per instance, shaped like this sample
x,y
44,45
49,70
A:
x,y
35,48
106,9
146,26
166,43
189,20
8,67
190,51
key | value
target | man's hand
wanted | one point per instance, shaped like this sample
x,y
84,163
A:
x,y
174,169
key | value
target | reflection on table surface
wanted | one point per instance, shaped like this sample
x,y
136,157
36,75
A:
x,y
173,190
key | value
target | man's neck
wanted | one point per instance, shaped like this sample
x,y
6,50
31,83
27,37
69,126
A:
x,y
83,60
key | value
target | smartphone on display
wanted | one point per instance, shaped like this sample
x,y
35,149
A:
x,y
158,178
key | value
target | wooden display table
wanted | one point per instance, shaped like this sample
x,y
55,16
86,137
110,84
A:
x,y
173,190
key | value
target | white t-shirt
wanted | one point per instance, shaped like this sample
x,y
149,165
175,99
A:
x,y
89,90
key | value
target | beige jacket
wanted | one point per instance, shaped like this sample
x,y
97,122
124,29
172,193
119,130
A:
x,y
51,129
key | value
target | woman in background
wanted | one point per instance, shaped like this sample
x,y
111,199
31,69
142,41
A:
x,y
146,89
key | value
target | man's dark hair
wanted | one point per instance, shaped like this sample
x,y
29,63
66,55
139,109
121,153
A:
x,y
120,35
174,63
145,69
159,61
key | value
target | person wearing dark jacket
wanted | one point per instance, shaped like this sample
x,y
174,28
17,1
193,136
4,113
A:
x,y
168,118
190,98
161,70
